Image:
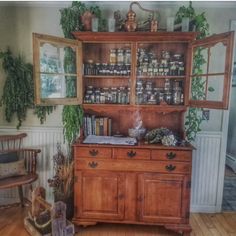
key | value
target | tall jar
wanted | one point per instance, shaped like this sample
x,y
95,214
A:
x,y
127,56
113,57
120,56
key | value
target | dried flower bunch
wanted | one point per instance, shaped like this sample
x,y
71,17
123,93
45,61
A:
x,y
63,178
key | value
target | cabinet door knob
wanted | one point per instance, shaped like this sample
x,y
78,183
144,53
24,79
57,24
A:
x,y
93,164
131,154
93,152
170,167
170,155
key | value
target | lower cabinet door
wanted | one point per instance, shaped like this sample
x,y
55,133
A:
x,y
162,198
100,195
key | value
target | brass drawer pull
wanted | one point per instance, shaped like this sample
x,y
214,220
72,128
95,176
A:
x,y
170,155
93,152
93,164
170,167
131,154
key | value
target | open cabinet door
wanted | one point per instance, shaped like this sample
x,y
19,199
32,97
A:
x,y
210,83
57,70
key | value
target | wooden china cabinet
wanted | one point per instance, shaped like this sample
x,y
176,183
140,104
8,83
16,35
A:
x,y
145,183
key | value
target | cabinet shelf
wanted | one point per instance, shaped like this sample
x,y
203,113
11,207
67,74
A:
x,y
156,108
105,77
160,77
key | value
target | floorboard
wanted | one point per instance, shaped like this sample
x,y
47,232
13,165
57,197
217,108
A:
x,y
224,224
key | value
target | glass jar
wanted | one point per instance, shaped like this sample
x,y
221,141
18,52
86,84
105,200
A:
x,y
181,69
168,97
176,96
102,97
97,96
172,68
150,69
127,56
114,95
120,56
97,69
113,56
139,97
128,68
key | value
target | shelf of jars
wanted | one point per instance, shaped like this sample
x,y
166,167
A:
x,y
146,77
105,77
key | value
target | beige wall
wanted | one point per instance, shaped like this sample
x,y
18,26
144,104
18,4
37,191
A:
x,y
18,22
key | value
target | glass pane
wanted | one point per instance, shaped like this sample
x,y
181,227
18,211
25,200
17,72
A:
x,y
210,89
198,88
215,88
200,58
217,58
57,86
57,59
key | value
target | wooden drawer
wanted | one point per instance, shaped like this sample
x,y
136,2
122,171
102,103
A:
x,y
132,154
92,152
174,155
144,166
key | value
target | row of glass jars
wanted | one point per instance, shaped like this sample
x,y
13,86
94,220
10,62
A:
x,y
120,56
171,94
168,64
114,95
106,69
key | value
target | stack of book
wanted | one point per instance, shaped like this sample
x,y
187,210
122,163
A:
x,y
94,125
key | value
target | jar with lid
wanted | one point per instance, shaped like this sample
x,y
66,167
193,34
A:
x,y
150,69
97,68
119,69
160,97
120,56
111,69
109,96
128,68
139,97
90,68
118,96
167,85
113,56
97,96
181,69
166,69
106,91
168,97
127,56
155,69
161,69
177,93
145,69
172,68
104,68
114,95
86,98
102,97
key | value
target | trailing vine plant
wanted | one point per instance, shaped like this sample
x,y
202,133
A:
x,y
194,116
18,91
72,115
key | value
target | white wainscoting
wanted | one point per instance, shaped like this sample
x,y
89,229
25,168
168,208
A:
x,y
205,171
46,139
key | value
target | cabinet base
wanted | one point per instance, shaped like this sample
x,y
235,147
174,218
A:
x,y
182,229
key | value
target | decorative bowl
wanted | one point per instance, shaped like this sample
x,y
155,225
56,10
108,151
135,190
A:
x,y
137,133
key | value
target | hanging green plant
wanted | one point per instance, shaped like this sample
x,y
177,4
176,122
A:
x,y
72,116
18,91
42,111
199,22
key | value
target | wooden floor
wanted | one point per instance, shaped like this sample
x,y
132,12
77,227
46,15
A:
x,y
11,224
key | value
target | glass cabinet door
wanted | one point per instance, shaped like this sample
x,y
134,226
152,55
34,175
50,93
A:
x,y
210,82
57,70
